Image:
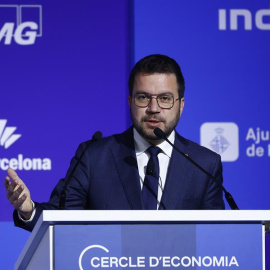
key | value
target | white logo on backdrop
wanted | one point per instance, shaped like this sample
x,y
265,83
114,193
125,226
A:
x,y
219,143
24,32
259,19
223,138
7,136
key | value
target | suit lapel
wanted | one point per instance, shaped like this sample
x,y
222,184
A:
x,y
177,176
126,164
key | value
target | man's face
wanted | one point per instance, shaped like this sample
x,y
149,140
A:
x,y
145,120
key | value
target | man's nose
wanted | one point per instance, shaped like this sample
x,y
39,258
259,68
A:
x,y
153,105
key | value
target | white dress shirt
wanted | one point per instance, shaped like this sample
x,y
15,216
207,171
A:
x,y
141,146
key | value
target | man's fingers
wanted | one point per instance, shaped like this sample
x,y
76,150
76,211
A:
x,y
18,203
13,175
12,186
18,193
7,182
14,194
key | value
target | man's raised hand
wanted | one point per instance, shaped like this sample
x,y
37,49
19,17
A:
x,y
18,194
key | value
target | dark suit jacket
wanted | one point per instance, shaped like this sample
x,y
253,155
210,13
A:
x,y
108,179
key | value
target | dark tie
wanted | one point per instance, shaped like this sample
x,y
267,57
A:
x,y
150,184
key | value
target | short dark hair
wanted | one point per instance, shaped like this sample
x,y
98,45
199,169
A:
x,y
157,63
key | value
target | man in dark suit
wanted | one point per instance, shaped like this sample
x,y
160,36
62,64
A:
x,y
118,172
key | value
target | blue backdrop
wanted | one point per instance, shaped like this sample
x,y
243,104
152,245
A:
x,y
227,82
70,82
64,68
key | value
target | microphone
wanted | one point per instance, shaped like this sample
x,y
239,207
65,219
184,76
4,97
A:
x,y
97,136
62,201
161,135
150,170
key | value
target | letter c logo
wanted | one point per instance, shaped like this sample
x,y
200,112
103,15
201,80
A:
x,y
87,248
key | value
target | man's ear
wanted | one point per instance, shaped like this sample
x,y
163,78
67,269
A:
x,y
182,104
129,100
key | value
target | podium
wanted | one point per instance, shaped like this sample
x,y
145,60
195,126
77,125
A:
x,y
205,239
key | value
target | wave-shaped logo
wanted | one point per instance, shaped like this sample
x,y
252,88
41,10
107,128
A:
x,y
7,136
86,249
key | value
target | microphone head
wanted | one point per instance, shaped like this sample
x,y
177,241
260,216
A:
x,y
150,169
97,135
159,133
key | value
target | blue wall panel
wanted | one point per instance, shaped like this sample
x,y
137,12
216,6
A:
x,y
69,83
227,81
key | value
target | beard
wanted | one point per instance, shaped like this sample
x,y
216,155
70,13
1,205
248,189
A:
x,y
148,133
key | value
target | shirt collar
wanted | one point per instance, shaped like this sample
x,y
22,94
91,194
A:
x,y
141,145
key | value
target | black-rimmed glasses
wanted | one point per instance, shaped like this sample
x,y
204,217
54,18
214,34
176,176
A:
x,y
164,101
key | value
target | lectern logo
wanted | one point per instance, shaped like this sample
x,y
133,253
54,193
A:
x,y
223,138
7,136
88,248
99,257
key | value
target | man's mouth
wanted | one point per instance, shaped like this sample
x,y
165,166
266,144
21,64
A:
x,y
153,122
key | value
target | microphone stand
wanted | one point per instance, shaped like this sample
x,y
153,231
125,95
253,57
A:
x,y
229,198
62,200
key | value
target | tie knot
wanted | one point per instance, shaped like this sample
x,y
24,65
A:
x,y
153,151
